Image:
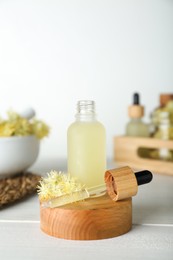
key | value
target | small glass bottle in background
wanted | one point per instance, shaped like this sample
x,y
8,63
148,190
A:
x,y
86,146
166,105
164,132
136,127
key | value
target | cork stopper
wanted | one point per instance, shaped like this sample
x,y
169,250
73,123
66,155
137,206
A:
x,y
121,183
136,110
165,98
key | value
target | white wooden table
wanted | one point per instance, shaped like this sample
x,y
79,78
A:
x,y
151,236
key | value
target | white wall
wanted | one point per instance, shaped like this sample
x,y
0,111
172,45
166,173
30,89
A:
x,y
56,52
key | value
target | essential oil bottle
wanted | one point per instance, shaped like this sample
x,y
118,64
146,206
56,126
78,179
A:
x,y
86,146
136,127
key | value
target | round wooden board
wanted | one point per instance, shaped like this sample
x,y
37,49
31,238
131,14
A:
x,y
96,218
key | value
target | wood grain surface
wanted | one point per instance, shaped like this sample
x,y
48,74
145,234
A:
x,y
126,153
96,218
121,183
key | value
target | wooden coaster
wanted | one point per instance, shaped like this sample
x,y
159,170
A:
x,y
15,188
96,218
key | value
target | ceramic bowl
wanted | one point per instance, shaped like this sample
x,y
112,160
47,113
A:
x,y
17,153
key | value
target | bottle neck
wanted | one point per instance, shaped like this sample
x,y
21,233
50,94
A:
x,y
85,111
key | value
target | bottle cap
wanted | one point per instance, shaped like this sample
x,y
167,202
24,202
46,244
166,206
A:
x,y
165,98
122,183
136,110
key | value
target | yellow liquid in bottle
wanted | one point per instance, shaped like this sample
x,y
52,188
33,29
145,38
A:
x,y
87,152
137,128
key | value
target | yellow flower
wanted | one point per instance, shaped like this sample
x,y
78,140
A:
x,y
6,129
57,184
40,129
19,126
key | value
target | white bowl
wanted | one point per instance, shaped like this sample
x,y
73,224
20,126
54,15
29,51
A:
x,y
17,153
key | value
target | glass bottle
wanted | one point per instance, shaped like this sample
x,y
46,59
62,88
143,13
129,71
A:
x,y
86,146
166,105
164,132
136,127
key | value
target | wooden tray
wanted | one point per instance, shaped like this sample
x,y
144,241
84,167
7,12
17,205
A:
x,y
96,218
126,152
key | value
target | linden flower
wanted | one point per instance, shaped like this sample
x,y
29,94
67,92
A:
x,y
40,129
16,125
57,184
6,129
22,127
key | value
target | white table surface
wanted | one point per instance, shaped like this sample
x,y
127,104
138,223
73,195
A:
x,y
151,236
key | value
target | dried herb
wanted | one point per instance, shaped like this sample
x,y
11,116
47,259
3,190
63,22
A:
x,y
15,188
15,125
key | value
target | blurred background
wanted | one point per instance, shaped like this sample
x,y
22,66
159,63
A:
x,y
54,53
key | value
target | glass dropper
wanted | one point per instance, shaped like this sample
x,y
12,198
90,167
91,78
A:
x,y
142,177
